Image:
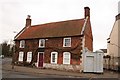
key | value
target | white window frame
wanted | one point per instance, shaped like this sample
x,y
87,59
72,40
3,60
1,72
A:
x,y
56,57
29,57
21,55
66,59
40,40
64,42
22,44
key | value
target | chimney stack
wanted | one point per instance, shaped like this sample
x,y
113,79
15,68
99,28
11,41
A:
x,y
28,21
87,12
118,17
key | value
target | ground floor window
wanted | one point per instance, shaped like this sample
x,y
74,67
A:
x,y
66,58
54,56
20,56
29,56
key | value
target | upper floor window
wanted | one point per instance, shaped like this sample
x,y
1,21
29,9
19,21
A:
x,y
67,42
42,43
22,43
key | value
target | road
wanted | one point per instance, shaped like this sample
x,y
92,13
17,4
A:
x,y
13,74
26,72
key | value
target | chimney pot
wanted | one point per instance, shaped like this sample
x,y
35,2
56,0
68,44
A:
x,y
87,11
28,16
28,21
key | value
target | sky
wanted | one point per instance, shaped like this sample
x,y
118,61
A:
x,y
13,14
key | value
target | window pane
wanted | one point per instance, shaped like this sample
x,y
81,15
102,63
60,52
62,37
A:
x,y
29,56
67,42
22,44
20,56
66,58
41,43
53,57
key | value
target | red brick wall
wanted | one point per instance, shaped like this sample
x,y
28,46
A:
x,y
58,44
30,45
88,36
51,43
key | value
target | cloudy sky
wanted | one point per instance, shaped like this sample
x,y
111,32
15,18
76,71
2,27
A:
x,y
14,12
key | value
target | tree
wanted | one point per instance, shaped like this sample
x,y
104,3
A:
x,y
7,49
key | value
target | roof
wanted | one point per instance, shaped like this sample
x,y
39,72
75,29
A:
x,y
117,20
54,29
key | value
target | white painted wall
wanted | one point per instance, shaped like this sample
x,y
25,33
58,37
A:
x,y
113,46
119,37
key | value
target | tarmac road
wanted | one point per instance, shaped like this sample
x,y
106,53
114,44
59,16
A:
x,y
14,74
27,72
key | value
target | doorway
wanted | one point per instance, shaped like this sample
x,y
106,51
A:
x,y
40,59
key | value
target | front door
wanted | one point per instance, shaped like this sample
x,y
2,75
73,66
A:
x,y
40,59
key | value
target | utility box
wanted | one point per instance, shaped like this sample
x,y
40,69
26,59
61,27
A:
x,y
93,62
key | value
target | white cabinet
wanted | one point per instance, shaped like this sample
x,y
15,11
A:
x,y
93,62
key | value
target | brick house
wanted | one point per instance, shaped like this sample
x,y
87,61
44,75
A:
x,y
56,45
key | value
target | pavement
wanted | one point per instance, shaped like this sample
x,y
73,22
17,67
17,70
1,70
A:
x,y
106,74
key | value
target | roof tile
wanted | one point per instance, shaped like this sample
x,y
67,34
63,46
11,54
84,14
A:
x,y
54,29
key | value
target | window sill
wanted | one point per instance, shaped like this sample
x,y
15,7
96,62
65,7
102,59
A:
x,y
66,46
53,63
41,47
21,47
66,64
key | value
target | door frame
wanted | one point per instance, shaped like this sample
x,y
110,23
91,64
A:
x,y
38,58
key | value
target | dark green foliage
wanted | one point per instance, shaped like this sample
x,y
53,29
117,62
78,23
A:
x,y
7,49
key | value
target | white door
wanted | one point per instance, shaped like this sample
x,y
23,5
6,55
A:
x,y
89,66
99,65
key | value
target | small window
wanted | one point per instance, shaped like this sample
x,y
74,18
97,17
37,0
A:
x,y
54,56
67,42
66,58
22,44
42,43
20,56
29,56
